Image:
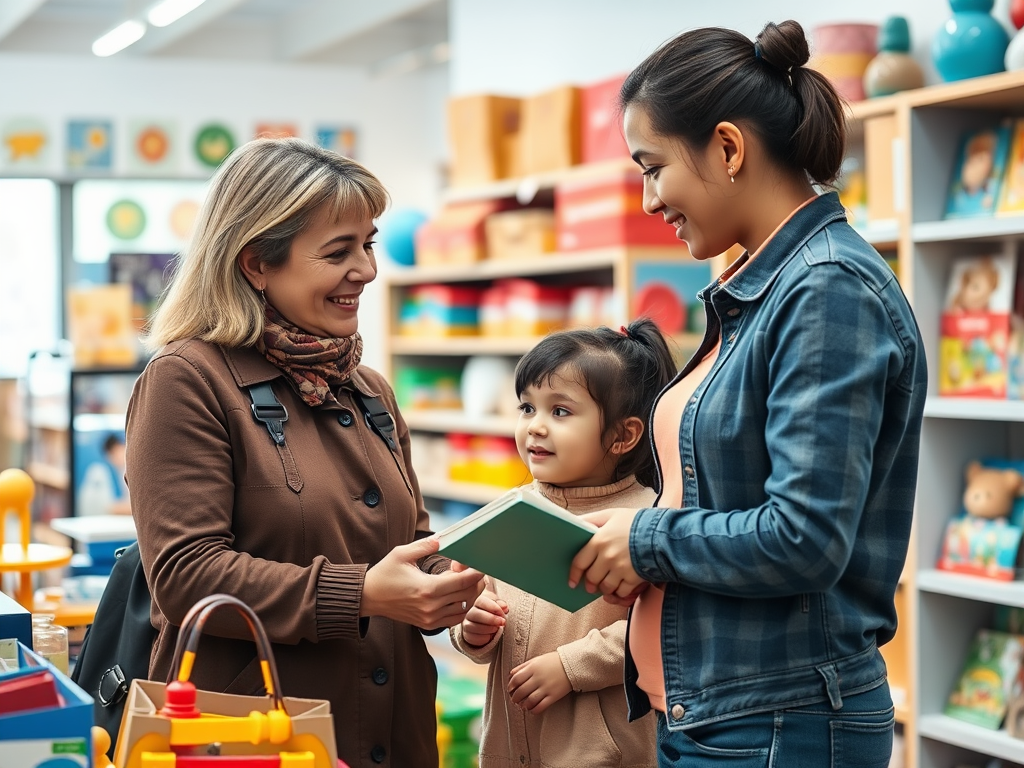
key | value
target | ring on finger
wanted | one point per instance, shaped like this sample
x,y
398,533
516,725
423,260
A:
x,y
463,605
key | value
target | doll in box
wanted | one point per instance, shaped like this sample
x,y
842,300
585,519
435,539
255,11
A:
x,y
984,539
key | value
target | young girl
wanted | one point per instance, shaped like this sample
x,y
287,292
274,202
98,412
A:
x,y
787,447
554,692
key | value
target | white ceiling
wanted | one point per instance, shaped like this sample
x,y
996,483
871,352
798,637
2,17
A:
x,y
376,34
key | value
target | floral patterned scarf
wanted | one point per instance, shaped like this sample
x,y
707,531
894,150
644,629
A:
x,y
314,364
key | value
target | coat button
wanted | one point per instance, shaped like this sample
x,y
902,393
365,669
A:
x,y
346,419
378,753
678,712
688,470
380,675
733,312
371,498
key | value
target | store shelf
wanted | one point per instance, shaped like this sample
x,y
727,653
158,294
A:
x,y
462,345
949,730
974,409
971,588
979,229
525,188
471,493
884,235
560,263
50,476
443,420
99,422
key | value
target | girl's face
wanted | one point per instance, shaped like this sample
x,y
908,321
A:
x,y
319,287
559,435
684,188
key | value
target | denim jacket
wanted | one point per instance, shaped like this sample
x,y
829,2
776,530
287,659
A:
x,y
799,458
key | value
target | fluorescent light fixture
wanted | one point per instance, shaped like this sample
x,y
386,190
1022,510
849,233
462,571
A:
x,y
169,11
119,38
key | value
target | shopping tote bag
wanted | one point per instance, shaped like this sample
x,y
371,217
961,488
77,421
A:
x,y
174,724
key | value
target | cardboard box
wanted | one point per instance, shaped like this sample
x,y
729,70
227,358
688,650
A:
x,y
482,132
549,138
456,235
520,234
602,137
607,211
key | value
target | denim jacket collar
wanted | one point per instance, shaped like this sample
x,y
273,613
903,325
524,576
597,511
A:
x,y
755,279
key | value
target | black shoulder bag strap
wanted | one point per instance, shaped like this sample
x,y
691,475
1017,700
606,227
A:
x,y
266,408
377,418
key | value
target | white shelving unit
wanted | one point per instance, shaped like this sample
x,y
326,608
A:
x,y
949,608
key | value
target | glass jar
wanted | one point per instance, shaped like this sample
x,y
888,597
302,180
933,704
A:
x,y
50,640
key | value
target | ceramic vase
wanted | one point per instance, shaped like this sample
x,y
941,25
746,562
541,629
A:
x,y
842,53
893,69
971,43
1014,59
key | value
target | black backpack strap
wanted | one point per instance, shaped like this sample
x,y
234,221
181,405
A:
x,y
377,418
267,408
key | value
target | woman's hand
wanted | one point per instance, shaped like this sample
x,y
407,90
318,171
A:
x,y
539,683
604,563
484,619
397,589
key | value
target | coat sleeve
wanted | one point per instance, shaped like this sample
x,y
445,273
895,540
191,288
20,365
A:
x,y
180,471
481,654
595,661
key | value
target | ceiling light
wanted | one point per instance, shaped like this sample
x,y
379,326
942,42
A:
x,y
119,38
169,11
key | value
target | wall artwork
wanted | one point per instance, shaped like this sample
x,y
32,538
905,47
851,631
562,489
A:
x,y
213,142
337,138
25,143
152,147
90,145
270,130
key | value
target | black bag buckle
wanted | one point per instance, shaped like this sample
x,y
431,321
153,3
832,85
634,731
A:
x,y
273,416
113,687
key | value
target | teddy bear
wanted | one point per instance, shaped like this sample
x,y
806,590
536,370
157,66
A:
x,y
990,492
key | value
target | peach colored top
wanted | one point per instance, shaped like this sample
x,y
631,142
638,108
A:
x,y
645,623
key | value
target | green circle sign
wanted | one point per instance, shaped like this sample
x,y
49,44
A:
x,y
214,142
126,219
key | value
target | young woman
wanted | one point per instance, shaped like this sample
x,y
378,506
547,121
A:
x,y
787,446
315,521
554,692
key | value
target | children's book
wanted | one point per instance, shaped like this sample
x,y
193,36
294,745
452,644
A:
x,y
990,679
978,172
1011,197
526,540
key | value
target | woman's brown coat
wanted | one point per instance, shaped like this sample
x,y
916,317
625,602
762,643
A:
x,y
291,531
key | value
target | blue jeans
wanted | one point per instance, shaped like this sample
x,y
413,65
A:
x,y
859,735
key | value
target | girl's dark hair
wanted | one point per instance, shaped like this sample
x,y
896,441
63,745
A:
x,y
622,371
709,75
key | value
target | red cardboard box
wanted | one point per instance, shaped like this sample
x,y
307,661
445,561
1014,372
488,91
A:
x,y
456,235
607,211
482,133
601,122
549,137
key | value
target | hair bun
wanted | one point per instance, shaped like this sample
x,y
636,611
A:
x,y
783,45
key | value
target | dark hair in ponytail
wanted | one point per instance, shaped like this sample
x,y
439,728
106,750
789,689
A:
x,y
622,370
705,76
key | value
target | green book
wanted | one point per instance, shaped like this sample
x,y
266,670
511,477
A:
x,y
526,540
990,679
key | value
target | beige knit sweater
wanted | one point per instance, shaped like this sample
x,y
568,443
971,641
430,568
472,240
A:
x,y
588,727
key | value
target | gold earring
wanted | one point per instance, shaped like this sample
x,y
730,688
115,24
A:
x,y
732,174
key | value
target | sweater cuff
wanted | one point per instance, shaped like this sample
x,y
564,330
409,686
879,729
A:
x,y
339,593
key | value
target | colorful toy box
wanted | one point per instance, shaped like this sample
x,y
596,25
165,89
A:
x,y
975,327
482,132
426,387
608,211
438,310
522,234
602,129
457,234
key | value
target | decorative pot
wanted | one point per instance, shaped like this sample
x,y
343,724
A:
x,y
893,69
971,43
842,53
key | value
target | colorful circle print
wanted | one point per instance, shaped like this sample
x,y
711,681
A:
x,y
183,216
126,219
152,144
213,143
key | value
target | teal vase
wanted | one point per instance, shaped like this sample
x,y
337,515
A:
x,y
971,43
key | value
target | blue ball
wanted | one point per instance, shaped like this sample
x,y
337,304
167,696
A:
x,y
398,234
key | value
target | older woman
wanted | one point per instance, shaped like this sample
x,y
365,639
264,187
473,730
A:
x,y
312,513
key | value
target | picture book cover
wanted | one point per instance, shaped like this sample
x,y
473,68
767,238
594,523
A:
x,y
526,540
989,681
974,331
978,172
1011,196
147,274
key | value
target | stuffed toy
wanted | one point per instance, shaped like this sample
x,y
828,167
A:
x,y
990,492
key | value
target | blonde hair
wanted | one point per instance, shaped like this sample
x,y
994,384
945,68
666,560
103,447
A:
x,y
263,195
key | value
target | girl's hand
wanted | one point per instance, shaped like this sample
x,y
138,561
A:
x,y
397,589
539,683
604,563
484,619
